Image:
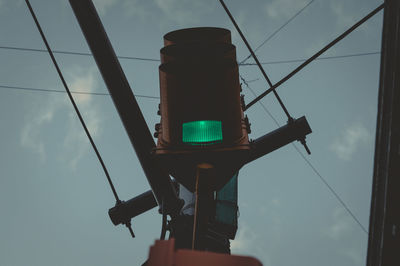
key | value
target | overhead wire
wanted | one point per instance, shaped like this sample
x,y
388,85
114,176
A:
x,y
246,82
332,190
73,92
156,97
316,59
74,53
255,58
150,59
312,58
73,102
157,60
277,123
313,168
278,30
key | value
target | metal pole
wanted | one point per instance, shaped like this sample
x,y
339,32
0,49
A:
x,y
384,229
126,210
296,130
125,103
204,199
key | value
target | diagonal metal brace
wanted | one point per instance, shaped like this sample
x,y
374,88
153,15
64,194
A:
x,y
125,102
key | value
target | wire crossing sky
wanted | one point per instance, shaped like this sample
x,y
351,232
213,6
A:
x,y
73,103
111,184
332,190
276,31
316,55
157,60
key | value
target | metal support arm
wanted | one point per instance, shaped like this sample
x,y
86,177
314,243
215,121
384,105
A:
x,y
297,129
127,210
125,102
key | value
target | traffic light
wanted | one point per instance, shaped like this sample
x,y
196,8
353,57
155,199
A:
x,y
201,112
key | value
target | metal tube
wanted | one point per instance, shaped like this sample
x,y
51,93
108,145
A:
x,y
125,103
204,198
127,210
295,130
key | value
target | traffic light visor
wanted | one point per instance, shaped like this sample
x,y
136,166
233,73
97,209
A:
x,y
204,132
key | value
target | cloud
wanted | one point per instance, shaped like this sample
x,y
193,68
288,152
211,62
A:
x,y
183,12
244,240
164,12
138,9
32,131
349,141
347,13
51,112
6,6
131,8
250,243
76,141
341,225
283,9
344,18
80,81
342,229
102,6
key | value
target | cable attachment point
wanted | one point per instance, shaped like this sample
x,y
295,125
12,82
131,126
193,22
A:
x,y
290,120
129,225
303,141
247,124
119,215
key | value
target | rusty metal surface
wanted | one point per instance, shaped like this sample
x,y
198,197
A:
x,y
198,34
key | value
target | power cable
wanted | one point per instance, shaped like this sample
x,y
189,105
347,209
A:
x,y
331,189
246,82
316,59
157,60
74,53
329,45
73,92
255,58
74,104
278,30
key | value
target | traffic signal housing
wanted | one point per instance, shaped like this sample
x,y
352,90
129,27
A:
x,y
202,117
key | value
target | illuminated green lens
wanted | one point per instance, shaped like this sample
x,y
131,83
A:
x,y
204,132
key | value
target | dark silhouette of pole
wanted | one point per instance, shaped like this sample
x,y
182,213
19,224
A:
x,y
125,102
384,229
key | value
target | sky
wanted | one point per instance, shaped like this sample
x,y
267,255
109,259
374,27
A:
x,y
54,196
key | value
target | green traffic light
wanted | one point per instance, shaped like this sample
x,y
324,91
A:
x,y
205,132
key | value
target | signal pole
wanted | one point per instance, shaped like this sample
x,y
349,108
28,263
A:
x,y
384,229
